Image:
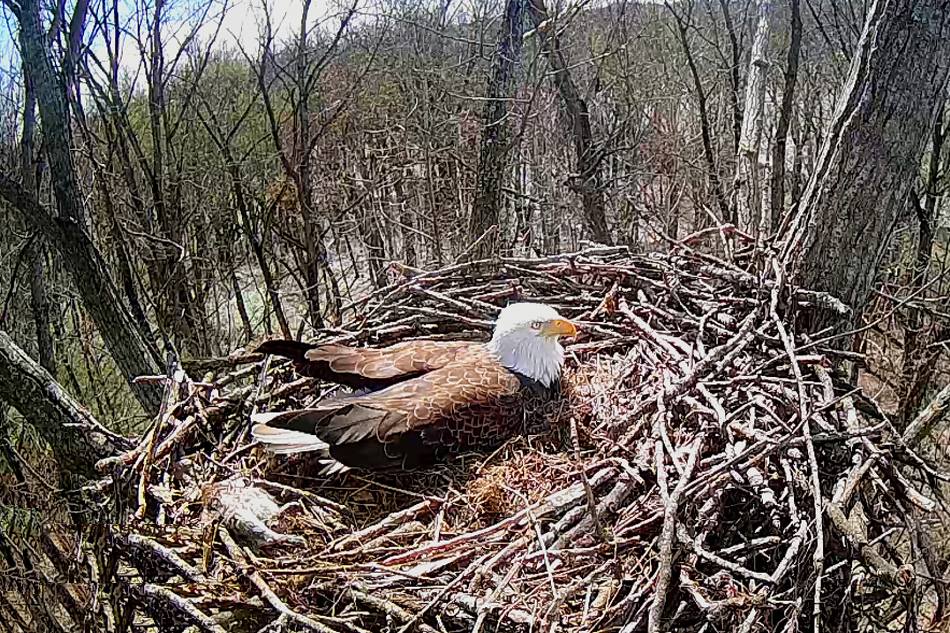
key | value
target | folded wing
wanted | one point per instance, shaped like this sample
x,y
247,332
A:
x,y
366,368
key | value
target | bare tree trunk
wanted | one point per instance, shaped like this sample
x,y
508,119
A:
x,y
53,112
39,304
589,157
927,212
178,311
242,202
298,166
242,309
801,142
407,222
115,128
432,172
67,233
493,154
375,249
733,74
257,246
304,182
917,366
748,184
125,270
870,157
334,296
785,117
715,181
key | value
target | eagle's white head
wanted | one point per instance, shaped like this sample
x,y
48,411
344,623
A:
x,y
526,341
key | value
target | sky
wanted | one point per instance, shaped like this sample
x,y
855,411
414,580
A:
x,y
243,20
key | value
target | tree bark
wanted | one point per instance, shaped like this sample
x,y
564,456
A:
x,y
588,180
39,303
493,154
917,366
748,184
67,233
870,157
76,439
785,117
733,74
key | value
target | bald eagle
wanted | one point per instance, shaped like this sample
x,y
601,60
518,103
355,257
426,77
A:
x,y
427,398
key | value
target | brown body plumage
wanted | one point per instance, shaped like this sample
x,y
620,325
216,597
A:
x,y
431,397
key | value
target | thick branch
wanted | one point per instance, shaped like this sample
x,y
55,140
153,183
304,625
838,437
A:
x,y
78,441
924,423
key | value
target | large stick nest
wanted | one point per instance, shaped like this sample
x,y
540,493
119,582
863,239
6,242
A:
x,y
676,489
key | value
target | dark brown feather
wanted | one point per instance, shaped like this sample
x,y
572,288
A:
x,y
367,368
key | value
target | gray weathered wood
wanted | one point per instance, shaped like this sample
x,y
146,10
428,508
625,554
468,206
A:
x,y
748,186
871,154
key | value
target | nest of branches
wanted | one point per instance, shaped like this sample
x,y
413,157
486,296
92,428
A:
x,y
707,471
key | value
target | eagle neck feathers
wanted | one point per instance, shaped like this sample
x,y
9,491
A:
x,y
537,358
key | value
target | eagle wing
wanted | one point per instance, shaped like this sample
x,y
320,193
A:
x,y
367,368
466,403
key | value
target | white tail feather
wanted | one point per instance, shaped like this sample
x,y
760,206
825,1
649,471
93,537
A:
x,y
284,441
264,418
287,442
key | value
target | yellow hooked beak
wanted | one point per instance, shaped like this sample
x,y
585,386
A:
x,y
558,327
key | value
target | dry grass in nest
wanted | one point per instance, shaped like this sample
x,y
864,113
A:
x,y
521,477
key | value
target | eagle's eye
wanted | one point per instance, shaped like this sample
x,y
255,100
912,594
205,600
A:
x,y
535,325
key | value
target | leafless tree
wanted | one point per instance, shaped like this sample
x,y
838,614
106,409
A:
x,y
589,155
748,186
895,90
779,158
495,138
